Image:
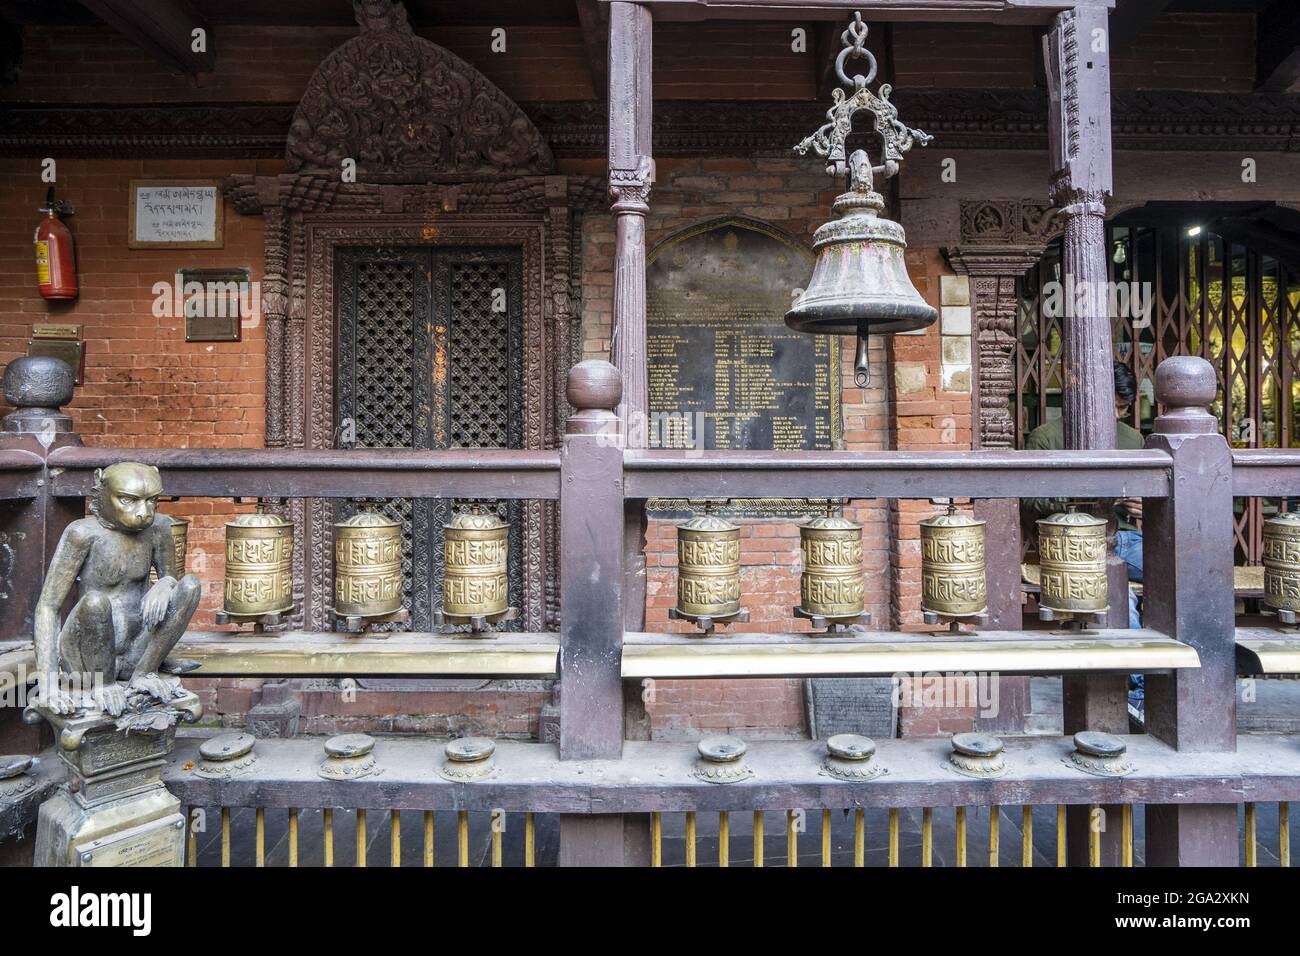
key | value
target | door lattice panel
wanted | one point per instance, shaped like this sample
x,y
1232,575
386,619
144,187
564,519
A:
x,y
429,357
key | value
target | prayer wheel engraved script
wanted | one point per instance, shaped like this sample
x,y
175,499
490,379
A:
x,y
1281,554
259,564
708,567
1072,556
476,553
831,584
367,566
952,565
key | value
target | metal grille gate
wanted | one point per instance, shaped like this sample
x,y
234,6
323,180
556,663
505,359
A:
x,y
1233,305
429,356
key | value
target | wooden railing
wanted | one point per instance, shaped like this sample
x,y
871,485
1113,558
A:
x,y
1198,781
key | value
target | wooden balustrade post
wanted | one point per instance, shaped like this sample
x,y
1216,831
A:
x,y
591,600
38,387
1187,549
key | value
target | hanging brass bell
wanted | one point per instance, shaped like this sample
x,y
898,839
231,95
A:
x,y
367,566
708,567
953,584
831,584
1282,564
259,564
180,547
859,283
1072,563
476,549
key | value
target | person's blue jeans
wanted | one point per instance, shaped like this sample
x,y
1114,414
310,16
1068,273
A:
x,y
1128,545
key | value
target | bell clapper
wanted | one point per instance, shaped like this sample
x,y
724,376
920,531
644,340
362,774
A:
x,y
861,364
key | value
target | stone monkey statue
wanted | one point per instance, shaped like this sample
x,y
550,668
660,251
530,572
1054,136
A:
x,y
116,637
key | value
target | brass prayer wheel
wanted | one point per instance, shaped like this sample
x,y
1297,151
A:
x,y
180,542
952,565
367,566
831,585
708,567
1282,562
1072,561
476,547
259,564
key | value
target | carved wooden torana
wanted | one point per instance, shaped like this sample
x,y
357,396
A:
x,y
442,157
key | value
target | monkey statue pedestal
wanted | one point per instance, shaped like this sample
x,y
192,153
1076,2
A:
x,y
105,681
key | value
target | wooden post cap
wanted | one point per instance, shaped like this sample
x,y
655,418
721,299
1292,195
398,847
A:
x,y
1185,386
594,384
594,389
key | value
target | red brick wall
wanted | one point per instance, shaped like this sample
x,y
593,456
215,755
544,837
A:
x,y
145,386
95,64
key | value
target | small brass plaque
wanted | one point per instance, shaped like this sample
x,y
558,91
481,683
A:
x,y
156,843
61,342
215,303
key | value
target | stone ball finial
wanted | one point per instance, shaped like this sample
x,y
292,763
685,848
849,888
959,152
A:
x,y
596,384
1186,381
38,381
1185,386
594,389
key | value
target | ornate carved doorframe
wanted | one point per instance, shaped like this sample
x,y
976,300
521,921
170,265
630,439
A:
x,y
438,155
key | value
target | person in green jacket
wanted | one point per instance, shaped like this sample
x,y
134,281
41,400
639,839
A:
x,y
1128,539
1051,437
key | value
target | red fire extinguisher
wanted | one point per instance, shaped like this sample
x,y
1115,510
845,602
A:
x,y
56,264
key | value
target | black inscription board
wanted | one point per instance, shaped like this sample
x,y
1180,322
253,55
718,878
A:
x,y
724,369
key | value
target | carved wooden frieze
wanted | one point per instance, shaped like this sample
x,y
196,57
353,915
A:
x,y
1008,222
406,110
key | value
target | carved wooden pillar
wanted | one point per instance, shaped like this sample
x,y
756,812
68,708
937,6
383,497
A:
x,y
1078,80
631,173
994,273
275,300
1076,56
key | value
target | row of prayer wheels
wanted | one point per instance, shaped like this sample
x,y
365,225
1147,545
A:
x,y
831,585
367,566
1072,549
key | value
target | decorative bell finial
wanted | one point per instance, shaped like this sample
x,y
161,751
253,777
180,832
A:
x,y
859,284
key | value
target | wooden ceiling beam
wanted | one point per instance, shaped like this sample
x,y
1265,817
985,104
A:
x,y
1130,18
162,28
594,20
